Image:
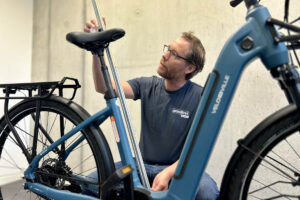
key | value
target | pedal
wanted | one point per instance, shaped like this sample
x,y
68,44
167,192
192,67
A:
x,y
123,174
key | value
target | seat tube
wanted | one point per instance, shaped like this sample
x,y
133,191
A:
x,y
122,140
120,131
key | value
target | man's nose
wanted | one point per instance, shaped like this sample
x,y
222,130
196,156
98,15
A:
x,y
166,55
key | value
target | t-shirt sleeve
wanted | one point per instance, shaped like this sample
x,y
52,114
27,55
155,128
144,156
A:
x,y
135,86
138,85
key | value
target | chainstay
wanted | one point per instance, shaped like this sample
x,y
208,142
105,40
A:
x,y
67,178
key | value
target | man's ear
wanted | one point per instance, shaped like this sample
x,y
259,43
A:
x,y
190,68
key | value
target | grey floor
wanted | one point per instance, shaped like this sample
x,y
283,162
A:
x,y
15,191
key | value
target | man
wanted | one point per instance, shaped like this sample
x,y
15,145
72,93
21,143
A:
x,y
168,106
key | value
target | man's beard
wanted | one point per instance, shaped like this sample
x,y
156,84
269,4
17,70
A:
x,y
165,74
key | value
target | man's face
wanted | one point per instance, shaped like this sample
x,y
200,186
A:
x,y
173,67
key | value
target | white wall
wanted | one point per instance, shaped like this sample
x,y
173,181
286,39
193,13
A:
x,y
16,20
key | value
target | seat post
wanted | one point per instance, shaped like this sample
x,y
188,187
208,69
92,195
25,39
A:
x,y
110,93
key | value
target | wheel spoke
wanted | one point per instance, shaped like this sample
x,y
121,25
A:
x,y
80,162
13,163
283,165
75,139
263,159
52,124
294,168
283,196
30,135
93,168
81,146
84,160
270,188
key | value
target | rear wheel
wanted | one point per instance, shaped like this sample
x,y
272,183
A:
x,y
90,155
270,166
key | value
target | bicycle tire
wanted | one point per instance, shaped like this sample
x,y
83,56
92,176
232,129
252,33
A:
x,y
268,167
94,149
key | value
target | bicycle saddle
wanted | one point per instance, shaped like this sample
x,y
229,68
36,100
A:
x,y
94,41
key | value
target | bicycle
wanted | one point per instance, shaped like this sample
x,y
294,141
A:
x,y
52,173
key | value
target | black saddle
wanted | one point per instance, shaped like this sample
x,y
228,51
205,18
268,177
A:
x,y
95,41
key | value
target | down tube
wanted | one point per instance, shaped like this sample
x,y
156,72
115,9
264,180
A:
x,y
211,112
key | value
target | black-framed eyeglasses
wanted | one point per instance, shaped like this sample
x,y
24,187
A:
x,y
175,54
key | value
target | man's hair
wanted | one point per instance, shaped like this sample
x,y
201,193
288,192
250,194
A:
x,y
196,55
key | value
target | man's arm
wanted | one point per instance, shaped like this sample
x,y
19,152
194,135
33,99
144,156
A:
x,y
97,73
161,181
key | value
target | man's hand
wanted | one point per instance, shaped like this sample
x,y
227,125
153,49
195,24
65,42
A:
x,y
161,181
89,25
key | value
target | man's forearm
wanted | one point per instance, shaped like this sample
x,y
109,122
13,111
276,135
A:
x,y
172,168
98,76
161,181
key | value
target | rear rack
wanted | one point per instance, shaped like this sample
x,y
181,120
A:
x,y
43,89
37,91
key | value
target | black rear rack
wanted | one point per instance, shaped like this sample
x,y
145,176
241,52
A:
x,y
37,91
42,89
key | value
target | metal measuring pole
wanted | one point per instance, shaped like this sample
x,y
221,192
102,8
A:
x,y
135,146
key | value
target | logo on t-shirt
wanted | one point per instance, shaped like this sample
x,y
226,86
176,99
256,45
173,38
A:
x,y
181,113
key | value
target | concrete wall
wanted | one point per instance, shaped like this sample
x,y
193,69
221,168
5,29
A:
x,y
149,25
16,19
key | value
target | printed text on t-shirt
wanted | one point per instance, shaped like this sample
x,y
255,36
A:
x,y
181,113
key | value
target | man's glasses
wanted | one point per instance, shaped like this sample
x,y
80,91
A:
x,y
175,54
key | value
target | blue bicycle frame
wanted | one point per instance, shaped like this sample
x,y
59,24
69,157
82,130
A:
x,y
112,109
217,95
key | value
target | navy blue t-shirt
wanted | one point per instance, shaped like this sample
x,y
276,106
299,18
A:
x,y
166,117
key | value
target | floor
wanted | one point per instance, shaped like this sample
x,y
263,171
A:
x,y
15,191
